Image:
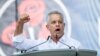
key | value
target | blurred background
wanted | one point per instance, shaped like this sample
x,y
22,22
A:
x,y
81,16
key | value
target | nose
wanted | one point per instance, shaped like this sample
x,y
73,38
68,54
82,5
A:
x,y
57,24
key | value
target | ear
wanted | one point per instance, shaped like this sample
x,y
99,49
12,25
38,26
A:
x,y
64,24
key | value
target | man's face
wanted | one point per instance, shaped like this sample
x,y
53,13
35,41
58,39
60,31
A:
x,y
55,24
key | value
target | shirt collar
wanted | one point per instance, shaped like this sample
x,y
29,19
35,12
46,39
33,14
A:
x,y
61,39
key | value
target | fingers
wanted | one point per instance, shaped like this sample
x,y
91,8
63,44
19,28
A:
x,y
24,18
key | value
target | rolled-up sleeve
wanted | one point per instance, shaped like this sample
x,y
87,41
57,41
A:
x,y
18,38
22,43
18,41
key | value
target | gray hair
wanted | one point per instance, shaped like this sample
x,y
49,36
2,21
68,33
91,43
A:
x,y
54,12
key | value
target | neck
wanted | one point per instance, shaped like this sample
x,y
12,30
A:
x,y
56,38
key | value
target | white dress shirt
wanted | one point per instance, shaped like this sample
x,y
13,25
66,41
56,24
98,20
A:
x,y
22,43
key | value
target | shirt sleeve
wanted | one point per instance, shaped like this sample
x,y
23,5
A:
x,y
18,38
22,43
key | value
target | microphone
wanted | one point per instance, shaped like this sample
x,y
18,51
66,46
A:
x,y
70,47
35,45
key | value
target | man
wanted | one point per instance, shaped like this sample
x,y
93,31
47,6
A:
x,y
57,40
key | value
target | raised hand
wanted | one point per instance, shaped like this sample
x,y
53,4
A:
x,y
24,18
20,23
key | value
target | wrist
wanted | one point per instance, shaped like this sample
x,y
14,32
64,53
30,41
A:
x,y
20,23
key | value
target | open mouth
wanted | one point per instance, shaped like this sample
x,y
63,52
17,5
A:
x,y
57,30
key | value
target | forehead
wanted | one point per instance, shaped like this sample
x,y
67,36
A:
x,y
55,17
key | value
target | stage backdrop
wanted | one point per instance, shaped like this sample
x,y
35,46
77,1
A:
x,y
82,18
